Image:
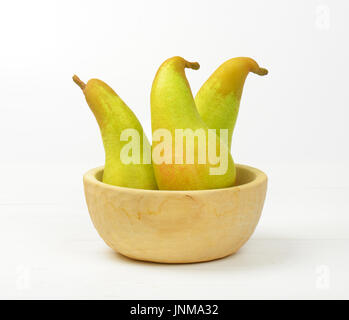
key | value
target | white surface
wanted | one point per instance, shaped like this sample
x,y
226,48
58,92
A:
x,y
51,250
292,124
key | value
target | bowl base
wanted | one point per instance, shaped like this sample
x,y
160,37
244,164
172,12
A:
x,y
164,261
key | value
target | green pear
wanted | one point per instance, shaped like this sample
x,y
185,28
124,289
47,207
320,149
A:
x,y
117,124
218,99
179,159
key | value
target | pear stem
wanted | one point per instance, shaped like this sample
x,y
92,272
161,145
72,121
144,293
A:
x,y
192,65
260,71
80,83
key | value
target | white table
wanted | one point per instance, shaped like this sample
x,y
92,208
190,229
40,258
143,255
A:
x,y
49,248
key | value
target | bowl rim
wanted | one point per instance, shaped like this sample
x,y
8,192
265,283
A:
x,y
259,178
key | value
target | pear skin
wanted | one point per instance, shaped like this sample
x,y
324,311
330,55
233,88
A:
x,y
113,117
218,99
173,108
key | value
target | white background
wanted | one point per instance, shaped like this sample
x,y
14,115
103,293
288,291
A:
x,y
293,124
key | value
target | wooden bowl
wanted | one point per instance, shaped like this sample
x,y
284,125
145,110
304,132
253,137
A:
x,y
176,226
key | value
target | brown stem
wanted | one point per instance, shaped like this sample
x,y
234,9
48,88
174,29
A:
x,y
260,71
192,65
80,83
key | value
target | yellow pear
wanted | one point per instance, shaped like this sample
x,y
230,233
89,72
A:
x,y
186,154
218,99
117,124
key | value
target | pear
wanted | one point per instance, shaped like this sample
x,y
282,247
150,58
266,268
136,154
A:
x,y
218,99
117,124
180,161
